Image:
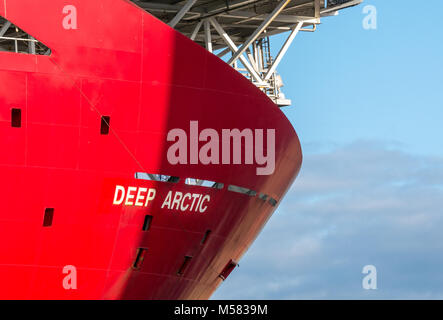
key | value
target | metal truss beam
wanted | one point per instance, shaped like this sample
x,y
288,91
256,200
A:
x,y
232,5
341,6
234,48
259,30
182,12
5,28
283,51
196,30
208,39
280,18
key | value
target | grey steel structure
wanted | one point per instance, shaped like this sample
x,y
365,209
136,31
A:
x,y
239,31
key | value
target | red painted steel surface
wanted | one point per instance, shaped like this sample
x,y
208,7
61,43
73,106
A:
x,y
123,63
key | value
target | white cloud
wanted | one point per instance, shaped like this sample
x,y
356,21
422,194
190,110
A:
x,y
365,203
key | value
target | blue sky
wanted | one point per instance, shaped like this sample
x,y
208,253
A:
x,y
368,108
348,83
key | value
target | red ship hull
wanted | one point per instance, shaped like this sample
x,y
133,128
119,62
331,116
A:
x,y
148,79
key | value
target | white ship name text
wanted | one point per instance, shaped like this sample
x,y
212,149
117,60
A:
x,y
174,200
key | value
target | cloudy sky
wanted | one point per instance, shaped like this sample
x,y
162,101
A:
x,y
368,108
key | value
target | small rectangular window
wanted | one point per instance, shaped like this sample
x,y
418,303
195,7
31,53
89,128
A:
x,y
16,118
105,124
206,236
238,189
263,196
228,269
13,39
140,256
49,216
174,179
147,223
156,177
273,202
184,265
204,183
